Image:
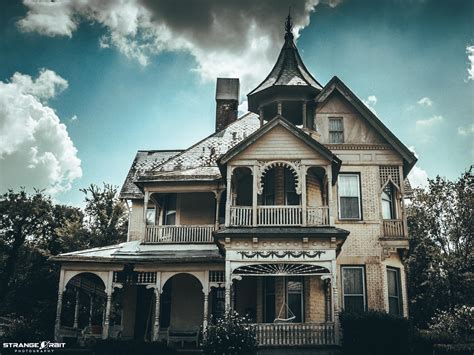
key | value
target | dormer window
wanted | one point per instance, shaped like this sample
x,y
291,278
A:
x,y
336,130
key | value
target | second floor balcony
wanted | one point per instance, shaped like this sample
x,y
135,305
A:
x,y
188,234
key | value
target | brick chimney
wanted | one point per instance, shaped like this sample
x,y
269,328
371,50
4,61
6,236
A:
x,y
227,102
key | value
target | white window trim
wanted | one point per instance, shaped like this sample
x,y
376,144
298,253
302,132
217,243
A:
x,y
399,289
359,196
364,291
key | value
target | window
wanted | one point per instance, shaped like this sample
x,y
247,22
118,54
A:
x,y
269,299
353,288
388,205
170,210
349,196
150,216
394,295
294,296
336,130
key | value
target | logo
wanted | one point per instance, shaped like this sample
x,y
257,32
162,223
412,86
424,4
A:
x,y
37,348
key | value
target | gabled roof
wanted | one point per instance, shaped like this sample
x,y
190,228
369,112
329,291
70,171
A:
x,y
199,162
336,84
144,160
299,133
289,70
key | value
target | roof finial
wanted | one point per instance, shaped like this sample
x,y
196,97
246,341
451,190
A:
x,y
288,25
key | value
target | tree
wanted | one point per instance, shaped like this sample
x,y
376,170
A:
x,y
440,262
105,215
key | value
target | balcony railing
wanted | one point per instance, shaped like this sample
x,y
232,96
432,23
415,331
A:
x,y
179,234
294,334
393,228
242,216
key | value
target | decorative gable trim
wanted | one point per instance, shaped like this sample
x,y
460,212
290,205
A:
x,y
336,84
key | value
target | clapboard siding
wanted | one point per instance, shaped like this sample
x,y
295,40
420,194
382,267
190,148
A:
x,y
278,144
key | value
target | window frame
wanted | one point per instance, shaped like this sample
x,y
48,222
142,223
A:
x,y
331,131
358,175
392,201
364,285
399,296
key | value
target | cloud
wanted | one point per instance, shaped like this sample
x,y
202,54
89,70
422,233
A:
x,y
466,130
371,102
238,38
73,118
429,121
425,101
417,176
35,148
470,56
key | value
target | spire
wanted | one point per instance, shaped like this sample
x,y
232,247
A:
x,y
288,26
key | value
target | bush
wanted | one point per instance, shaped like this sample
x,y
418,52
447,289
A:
x,y
230,335
126,347
459,322
423,341
21,329
374,333
453,349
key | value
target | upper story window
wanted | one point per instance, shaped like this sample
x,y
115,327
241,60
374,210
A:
x,y
388,202
336,130
353,288
394,294
349,196
169,213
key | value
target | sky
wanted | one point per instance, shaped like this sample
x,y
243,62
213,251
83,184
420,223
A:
x,y
84,84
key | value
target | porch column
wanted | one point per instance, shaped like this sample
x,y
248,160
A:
x,y
228,284
206,311
156,323
108,307
218,196
254,195
279,108
76,311
260,114
304,217
331,205
59,307
91,307
303,112
228,201
335,302
145,208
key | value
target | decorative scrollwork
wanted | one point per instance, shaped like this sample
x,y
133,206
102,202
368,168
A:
x,y
265,166
282,254
280,269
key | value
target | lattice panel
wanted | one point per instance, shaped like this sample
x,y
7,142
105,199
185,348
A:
x,y
389,171
135,278
280,269
216,276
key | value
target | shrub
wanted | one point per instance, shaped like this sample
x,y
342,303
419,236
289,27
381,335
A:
x,y
230,335
374,333
459,322
423,341
126,347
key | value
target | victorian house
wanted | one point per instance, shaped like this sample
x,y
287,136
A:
x,y
287,214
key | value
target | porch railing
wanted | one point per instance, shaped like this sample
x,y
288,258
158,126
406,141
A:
x,y
242,216
293,334
392,228
179,234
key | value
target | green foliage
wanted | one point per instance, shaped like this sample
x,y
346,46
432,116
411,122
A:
x,y
440,262
120,347
459,322
374,333
230,335
34,228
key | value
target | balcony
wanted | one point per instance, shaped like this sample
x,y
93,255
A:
x,y
192,234
242,216
295,334
393,228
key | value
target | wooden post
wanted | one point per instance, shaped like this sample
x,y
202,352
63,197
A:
x,y
145,208
206,311
335,301
218,196
228,284
228,201
108,307
304,217
76,311
280,107
254,195
260,114
59,307
331,204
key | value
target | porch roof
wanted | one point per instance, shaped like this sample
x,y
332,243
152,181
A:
x,y
135,251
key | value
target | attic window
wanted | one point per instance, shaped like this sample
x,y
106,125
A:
x,y
336,130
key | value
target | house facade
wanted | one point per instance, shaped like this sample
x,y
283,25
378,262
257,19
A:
x,y
287,214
